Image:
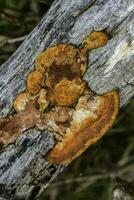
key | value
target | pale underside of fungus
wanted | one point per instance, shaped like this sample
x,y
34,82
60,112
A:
x,y
57,98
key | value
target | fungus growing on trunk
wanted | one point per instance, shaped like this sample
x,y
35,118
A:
x,y
15,124
57,98
92,117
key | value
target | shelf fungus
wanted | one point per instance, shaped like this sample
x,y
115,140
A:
x,y
57,98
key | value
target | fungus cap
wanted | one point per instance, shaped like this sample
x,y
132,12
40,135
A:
x,y
21,101
93,124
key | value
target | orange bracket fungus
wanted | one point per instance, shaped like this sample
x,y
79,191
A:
x,y
57,98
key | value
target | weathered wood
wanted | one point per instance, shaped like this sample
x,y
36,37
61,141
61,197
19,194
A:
x,y
23,171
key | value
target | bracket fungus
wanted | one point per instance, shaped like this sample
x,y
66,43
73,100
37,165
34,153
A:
x,y
92,117
57,98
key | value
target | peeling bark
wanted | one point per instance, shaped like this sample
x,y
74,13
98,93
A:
x,y
23,171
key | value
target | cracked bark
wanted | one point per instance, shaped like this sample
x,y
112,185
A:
x,y
24,173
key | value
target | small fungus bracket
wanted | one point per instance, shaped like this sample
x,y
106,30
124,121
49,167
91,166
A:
x,y
57,98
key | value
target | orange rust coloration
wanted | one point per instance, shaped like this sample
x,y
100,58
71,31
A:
x,y
11,127
34,82
21,101
92,117
42,100
59,54
92,41
58,99
62,72
67,92
95,40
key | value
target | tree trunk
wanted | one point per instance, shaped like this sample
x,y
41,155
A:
x,y
23,171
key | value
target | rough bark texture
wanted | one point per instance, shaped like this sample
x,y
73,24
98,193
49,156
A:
x,y
23,171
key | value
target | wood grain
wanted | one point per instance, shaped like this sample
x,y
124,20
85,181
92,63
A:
x,y
22,168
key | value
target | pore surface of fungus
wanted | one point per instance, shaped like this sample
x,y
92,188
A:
x,y
57,98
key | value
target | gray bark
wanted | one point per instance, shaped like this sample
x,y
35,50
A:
x,y
23,171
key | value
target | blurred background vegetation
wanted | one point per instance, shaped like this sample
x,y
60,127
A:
x,y
106,166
